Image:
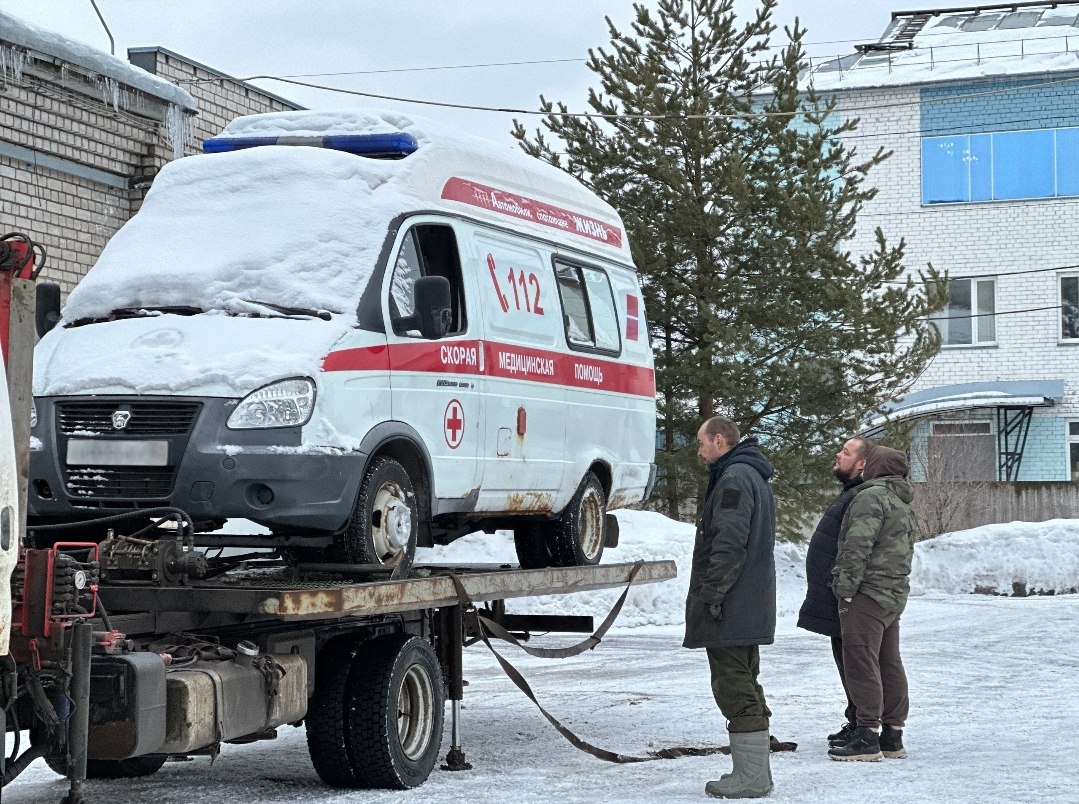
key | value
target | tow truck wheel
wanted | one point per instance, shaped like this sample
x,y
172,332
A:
x,y
377,714
576,540
396,712
327,715
385,520
531,544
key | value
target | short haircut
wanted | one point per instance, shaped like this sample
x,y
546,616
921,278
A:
x,y
865,446
721,425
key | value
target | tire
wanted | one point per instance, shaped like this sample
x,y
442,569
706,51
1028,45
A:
x,y
384,524
397,708
576,540
129,768
327,713
531,544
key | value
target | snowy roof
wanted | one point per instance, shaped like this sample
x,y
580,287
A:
x,y
959,44
971,395
14,31
309,222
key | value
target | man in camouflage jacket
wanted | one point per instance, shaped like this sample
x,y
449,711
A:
x,y
871,578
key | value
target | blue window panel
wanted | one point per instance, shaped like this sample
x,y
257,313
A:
x,y
980,159
1068,161
1023,164
945,170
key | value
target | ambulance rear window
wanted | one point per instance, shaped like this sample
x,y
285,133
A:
x,y
588,309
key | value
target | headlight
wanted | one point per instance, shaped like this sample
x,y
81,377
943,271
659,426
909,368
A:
x,y
283,404
33,414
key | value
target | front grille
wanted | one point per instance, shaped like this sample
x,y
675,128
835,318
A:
x,y
147,418
147,482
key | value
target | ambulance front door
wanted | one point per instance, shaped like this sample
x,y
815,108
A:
x,y
435,383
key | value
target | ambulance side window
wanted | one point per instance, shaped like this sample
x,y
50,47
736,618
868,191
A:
x,y
427,250
588,309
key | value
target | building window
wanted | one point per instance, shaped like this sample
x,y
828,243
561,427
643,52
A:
x,y
969,319
1073,451
1001,166
1069,307
960,451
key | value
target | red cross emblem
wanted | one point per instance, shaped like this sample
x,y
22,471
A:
x,y
453,423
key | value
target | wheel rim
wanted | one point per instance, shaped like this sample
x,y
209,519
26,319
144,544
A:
x,y
391,523
591,524
415,712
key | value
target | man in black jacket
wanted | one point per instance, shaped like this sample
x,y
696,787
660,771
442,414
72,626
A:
x,y
731,607
820,611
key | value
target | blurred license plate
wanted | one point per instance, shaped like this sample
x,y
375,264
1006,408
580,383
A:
x,y
100,452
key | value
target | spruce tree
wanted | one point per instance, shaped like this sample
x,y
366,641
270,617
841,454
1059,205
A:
x,y
738,197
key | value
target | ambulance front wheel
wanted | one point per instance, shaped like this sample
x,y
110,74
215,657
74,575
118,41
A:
x,y
576,540
385,520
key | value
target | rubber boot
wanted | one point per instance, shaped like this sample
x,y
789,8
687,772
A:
x,y
752,774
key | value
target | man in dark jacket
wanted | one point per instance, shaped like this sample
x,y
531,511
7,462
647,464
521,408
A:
x,y
731,607
820,611
871,578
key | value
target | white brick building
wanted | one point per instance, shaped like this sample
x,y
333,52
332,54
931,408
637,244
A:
x,y
981,110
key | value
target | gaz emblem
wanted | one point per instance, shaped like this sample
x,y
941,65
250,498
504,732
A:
x,y
120,419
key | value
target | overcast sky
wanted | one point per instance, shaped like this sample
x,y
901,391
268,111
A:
x,y
304,37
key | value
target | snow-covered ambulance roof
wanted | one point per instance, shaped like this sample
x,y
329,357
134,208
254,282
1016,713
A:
x,y
305,225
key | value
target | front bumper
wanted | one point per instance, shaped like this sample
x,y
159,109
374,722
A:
x,y
212,472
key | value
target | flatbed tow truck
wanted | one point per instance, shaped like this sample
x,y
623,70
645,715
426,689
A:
x,y
127,652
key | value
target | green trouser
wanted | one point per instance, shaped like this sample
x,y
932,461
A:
x,y
735,688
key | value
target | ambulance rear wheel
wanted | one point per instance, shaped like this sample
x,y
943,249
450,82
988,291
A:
x,y
576,540
384,525
530,542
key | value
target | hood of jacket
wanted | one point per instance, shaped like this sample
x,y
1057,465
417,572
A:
x,y
883,461
899,486
747,452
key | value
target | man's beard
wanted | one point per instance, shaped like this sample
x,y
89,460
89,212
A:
x,y
841,476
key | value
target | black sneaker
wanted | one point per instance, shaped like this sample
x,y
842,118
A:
x,y
863,746
841,736
891,743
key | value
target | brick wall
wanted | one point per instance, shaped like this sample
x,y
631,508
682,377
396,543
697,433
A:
x,y
75,160
982,238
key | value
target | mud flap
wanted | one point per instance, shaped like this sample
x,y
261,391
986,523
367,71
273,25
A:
x,y
610,531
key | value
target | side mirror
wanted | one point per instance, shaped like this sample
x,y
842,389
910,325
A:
x,y
47,309
433,314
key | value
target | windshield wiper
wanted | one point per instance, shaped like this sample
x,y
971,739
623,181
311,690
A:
x,y
297,311
138,312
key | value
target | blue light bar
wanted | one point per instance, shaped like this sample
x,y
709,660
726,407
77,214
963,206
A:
x,y
380,146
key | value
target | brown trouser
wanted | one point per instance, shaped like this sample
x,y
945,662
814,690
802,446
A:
x,y
734,686
872,667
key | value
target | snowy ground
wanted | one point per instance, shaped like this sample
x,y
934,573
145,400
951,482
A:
x,y
993,690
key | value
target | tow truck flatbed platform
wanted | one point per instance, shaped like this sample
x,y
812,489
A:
x,y
288,595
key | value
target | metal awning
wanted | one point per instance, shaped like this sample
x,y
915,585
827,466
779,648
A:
x,y
971,396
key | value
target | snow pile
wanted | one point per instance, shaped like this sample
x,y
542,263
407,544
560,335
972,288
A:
x,y
1013,558
1039,556
290,226
642,535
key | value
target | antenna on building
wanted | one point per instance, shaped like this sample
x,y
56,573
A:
x,y
112,42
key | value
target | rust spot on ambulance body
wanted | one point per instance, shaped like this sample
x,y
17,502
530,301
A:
x,y
530,502
619,500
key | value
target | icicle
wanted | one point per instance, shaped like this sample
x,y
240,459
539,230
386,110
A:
x,y
177,129
11,63
65,73
110,91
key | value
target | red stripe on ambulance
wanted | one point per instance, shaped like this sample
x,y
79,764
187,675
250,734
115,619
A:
x,y
504,361
529,209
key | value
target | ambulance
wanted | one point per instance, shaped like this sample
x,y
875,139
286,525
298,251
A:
x,y
365,333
